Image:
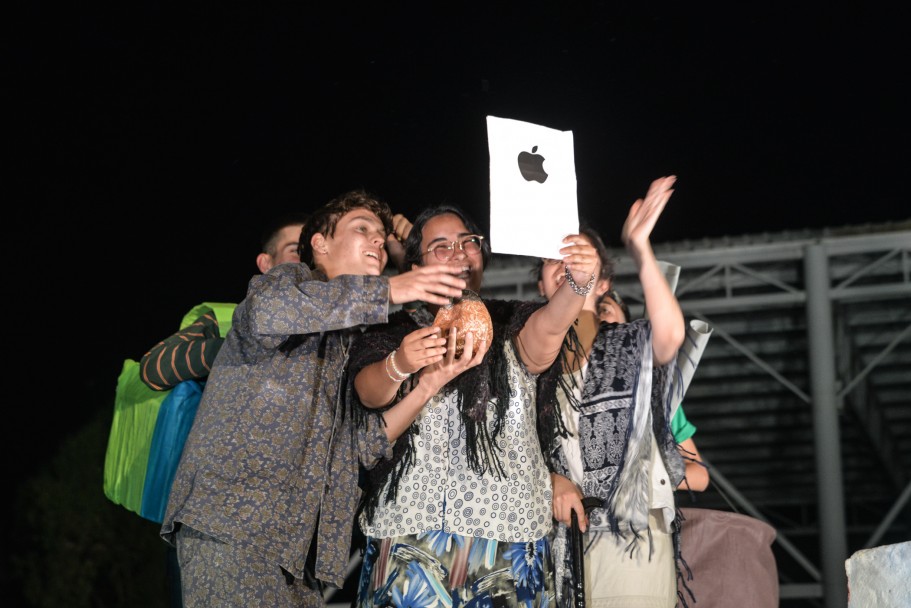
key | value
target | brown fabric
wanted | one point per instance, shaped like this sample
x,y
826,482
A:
x,y
730,556
586,326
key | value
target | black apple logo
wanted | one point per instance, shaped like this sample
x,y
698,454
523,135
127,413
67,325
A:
x,y
531,166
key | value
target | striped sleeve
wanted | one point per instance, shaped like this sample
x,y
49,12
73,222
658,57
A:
x,y
187,354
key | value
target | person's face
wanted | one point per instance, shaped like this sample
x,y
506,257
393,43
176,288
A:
x,y
286,249
552,277
446,228
609,311
357,247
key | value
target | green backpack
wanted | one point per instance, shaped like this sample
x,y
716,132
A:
x,y
136,409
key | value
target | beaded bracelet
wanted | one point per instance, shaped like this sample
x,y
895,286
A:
x,y
399,376
582,291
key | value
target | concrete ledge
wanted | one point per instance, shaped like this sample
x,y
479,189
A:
x,y
880,577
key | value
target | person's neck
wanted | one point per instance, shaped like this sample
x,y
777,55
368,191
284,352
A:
x,y
586,325
586,328
321,268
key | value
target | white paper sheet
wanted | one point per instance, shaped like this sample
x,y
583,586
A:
x,y
531,217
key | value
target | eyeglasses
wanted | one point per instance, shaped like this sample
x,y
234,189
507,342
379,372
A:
x,y
470,244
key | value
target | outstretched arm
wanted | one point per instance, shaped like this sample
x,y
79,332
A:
x,y
541,338
668,329
434,284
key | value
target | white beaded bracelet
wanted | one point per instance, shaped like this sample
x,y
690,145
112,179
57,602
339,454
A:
x,y
399,376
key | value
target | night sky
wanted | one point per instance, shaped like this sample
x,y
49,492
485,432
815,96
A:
x,y
150,144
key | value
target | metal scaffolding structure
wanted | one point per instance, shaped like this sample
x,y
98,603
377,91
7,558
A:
x,y
803,396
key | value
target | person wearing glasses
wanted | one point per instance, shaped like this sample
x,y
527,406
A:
x,y
613,394
460,513
263,501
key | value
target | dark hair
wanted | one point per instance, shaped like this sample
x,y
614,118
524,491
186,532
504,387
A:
x,y
324,219
613,295
413,252
269,238
607,264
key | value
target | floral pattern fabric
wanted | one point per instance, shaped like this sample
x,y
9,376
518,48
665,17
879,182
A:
x,y
441,570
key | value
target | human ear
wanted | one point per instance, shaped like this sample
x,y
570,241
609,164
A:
x,y
318,243
264,262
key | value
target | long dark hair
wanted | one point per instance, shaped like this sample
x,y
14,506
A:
x,y
413,253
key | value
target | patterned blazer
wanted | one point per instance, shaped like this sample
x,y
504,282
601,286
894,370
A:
x,y
271,451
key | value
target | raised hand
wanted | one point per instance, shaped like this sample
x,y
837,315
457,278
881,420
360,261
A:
x,y
664,313
401,227
645,212
434,284
581,257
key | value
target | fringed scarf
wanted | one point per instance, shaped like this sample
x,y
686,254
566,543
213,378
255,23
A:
x,y
623,397
486,383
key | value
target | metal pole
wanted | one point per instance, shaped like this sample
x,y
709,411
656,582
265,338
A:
x,y
830,490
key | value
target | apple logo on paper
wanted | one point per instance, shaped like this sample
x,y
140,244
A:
x,y
531,166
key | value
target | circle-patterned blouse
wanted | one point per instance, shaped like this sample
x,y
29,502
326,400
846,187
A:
x,y
441,492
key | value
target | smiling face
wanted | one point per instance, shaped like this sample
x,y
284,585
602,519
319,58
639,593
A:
x,y
356,246
445,229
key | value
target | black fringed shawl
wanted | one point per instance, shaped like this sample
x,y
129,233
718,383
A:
x,y
476,388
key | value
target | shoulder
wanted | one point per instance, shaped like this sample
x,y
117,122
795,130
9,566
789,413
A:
x,y
293,270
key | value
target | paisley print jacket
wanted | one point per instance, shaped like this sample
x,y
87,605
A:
x,y
271,451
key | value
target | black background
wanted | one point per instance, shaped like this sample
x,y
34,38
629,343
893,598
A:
x,y
149,143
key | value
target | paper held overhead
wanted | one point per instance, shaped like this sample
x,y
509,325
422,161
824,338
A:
x,y
533,203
